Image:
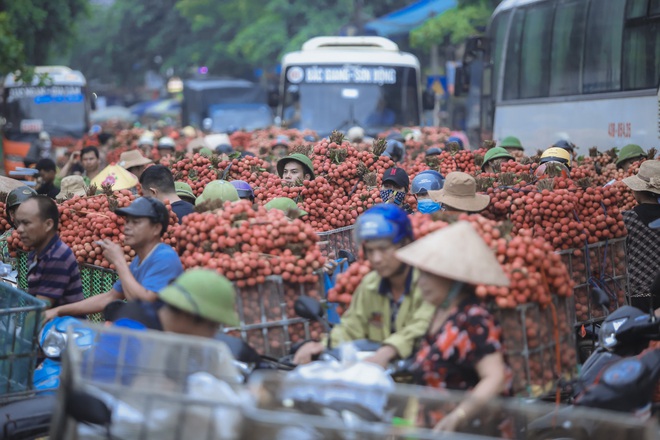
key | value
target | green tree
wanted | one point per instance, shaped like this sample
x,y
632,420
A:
x,y
455,25
30,29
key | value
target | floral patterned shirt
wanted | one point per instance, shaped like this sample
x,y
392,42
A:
x,y
448,358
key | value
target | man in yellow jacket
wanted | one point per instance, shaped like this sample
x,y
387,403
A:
x,y
387,306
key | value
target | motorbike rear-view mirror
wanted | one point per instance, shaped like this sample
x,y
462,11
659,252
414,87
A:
x,y
348,255
308,308
85,408
241,351
601,298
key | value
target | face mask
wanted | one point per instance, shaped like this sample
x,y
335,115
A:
x,y
392,196
427,206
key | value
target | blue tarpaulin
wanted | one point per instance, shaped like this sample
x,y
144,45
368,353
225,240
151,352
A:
x,y
406,19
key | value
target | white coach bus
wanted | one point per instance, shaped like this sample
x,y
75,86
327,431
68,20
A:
x,y
583,70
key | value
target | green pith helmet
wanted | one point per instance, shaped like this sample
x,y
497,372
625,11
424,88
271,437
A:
x,y
511,142
218,190
630,151
300,158
495,153
284,204
184,190
206,152
204,293
18,195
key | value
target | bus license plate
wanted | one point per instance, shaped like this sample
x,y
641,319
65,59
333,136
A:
x,y
32,125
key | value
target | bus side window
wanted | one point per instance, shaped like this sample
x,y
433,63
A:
x,y
641,46
512,71
604,35
535,53
567,48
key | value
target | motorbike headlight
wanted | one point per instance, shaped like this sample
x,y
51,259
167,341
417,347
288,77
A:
x,y
607,334
53,343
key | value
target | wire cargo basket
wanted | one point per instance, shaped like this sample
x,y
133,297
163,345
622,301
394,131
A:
x,y
20,322
22,270
603,265
96,280
539,345
411,412
331,242
267,319
156,386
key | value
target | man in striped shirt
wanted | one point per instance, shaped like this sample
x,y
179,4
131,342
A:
x,y
53,274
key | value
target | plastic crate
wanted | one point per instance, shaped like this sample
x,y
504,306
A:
x,y
144,377
267,319
331,242
533,340
96,280
602,264
20,322
413,411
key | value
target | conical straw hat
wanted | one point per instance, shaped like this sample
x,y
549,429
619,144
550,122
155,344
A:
x,y
7,184
116,176
456,252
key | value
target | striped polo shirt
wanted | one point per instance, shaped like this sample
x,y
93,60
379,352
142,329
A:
x,y
54,274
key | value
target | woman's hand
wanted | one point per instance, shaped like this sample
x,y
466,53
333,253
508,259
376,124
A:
x,y
451,421
305,353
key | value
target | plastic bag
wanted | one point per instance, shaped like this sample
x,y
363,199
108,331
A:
x,y
349,383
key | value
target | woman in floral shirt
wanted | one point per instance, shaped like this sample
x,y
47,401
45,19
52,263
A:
x,y
462,349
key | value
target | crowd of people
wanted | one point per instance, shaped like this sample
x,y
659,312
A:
x,y
419,300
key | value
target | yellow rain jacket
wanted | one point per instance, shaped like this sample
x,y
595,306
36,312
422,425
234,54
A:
x,y
369,316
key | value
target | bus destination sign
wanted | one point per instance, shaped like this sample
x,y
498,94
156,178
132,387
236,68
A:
x,y
341,75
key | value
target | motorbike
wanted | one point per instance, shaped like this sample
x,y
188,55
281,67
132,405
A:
x,y
621,375
29,417
310,308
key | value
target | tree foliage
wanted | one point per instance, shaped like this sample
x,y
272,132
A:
x,y
31,29
455,25
118,43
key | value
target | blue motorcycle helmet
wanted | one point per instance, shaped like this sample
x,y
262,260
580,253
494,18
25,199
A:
x,y
395,150
428,180
383,222
457,140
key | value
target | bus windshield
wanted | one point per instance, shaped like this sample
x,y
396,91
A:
x,y
59,110
327,98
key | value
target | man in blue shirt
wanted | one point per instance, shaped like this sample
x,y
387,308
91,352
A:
x,y
155,264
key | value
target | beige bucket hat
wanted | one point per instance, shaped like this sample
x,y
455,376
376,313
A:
x,y
456,252
132,158
647,178
460,192
74,185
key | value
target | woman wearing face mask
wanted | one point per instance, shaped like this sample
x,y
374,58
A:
x,y
424,182
394,188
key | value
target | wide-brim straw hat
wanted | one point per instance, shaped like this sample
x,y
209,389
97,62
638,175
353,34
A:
x,y
460,192
116,176
456,252
132,158
7,184
647,178
72,185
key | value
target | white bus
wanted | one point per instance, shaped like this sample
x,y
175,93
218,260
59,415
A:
x,y
335,83
582,70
